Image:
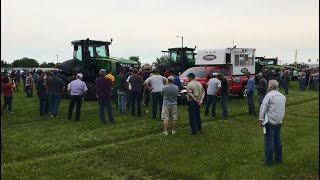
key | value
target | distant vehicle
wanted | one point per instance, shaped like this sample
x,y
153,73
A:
x,y
45,69
233,63
179,59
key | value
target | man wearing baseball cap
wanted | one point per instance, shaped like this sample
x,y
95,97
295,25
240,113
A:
x,y
155,83
169,108
77,90
195,95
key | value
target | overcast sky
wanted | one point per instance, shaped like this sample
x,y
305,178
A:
x,y
41,29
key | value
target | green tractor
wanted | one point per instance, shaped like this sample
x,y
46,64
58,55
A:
x,y
179,59
89,56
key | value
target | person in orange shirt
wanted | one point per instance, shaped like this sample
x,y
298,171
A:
x,y
114,91
110,76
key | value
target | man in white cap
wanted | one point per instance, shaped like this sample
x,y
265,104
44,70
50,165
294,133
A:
x,y
169,108
77,90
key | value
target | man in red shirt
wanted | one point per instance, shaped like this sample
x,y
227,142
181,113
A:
x,y
7,93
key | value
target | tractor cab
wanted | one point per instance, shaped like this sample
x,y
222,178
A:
x,y
88,50
179,59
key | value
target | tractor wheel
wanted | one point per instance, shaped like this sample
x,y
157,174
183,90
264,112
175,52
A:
x,y
91,93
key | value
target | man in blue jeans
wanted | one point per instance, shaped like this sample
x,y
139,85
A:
x,y
136,82
262,88
250,88
55,86
224,94
195,95
272,111
213,86
42,94
104,95
155,83
286,80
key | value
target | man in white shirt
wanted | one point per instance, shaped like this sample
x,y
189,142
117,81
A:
x,y
212,88
77,89
155,83
272,111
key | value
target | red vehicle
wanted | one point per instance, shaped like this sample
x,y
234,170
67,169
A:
x,y
233,63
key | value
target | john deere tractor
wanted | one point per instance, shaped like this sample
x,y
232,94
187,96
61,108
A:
x,y
89,56
179,59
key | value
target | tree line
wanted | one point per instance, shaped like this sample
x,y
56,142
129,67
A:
x,y
27,62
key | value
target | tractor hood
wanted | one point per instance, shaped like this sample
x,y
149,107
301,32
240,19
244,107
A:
x,y
119,60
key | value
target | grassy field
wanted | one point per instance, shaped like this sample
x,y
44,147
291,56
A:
x,y
134,148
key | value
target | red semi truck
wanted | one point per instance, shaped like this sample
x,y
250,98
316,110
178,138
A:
x,y
233,63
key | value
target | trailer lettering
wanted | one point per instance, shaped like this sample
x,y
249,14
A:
x,y
209,57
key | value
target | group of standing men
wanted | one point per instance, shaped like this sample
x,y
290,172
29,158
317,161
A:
x,y
308,77
163,92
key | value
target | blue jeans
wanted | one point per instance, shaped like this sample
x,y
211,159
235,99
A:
x,y
194,116
103,102
135,95
280,82
315,84
54,102
43,104
122,101
8,102
28,90
252,109
261,97
272,143
156,97
114,97
302,84
286,88
224,100
211,99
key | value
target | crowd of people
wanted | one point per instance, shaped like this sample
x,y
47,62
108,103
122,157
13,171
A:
x,y
134,88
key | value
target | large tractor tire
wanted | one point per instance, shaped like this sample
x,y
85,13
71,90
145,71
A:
x,y
69,65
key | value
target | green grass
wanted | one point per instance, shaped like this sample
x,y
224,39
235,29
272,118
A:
x,y
44,148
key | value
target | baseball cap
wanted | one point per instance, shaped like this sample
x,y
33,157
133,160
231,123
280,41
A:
x,y
214,74
191,75
171,78
79,75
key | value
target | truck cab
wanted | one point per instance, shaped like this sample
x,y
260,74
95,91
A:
x,y
233,63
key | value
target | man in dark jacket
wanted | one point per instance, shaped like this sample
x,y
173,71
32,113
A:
x,y
104,95
55,86
136,82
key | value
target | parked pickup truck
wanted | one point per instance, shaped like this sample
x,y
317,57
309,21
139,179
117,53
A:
x,y
237,83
